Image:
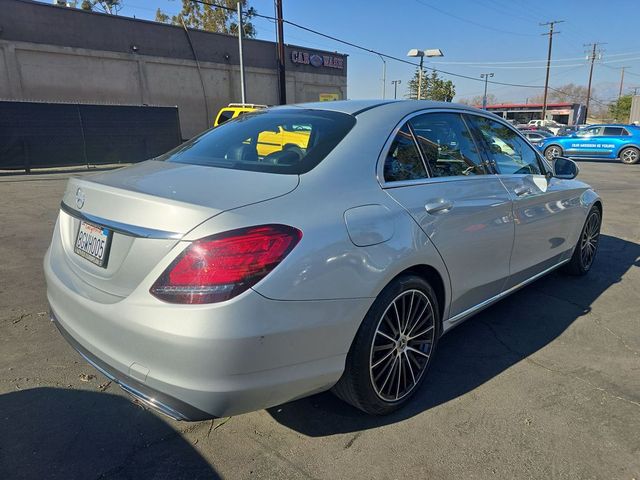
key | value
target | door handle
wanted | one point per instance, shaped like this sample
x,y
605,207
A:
x,y
522,190
442,206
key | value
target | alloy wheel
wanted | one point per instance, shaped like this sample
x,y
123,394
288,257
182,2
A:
x,y
589,240
630,155
553,152
402,345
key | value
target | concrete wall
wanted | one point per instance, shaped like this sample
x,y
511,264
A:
x,y
58,54
634,115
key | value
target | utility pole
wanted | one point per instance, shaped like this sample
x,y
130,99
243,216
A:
x,y
622,69
282,81
592,58
486,77
546,81
243,87
395,88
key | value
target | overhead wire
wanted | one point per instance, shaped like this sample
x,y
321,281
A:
x,y
392,57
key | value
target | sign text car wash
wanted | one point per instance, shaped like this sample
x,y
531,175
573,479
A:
x,y
316,60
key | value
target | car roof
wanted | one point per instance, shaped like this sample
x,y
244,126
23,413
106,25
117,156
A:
x,y
396,107
625,125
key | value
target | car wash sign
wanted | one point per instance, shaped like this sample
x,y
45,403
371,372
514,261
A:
x,y
317,60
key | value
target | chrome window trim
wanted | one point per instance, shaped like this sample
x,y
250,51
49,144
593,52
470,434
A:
x,y
123,228
460,111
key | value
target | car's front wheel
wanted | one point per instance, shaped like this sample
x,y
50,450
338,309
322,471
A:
x,y
393,348
587,246
552,152
629,155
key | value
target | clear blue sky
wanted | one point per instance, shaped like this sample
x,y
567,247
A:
x,y
475,37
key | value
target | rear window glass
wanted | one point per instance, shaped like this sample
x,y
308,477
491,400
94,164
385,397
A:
x,y
279,141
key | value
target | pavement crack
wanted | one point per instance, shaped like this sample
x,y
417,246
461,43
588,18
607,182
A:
x,y
293,465
619,337
528,359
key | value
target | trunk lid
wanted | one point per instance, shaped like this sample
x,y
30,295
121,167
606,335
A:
x,y
148,208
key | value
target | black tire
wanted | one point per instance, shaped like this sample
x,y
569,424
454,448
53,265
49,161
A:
x,y
581,262
629,155
357,385
553,151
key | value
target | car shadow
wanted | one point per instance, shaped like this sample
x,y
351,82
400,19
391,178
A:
x,y
481,348
59,433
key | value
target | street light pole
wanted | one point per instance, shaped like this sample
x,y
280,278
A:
x,y
384,75
243,88
414,52
395,88
420,78
486,77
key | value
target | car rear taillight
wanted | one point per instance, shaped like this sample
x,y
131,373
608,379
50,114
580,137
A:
x,y
222,266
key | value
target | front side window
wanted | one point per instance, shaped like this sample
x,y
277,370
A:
x,y
508,151
279,141
403,160
447,145
590,132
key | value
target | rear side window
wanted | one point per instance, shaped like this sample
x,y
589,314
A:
x,y
508,151
613,131
279,141
447,145
403,160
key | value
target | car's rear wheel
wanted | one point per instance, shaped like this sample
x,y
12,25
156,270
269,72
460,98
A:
x,y
393,348
629,155
587,246
552,152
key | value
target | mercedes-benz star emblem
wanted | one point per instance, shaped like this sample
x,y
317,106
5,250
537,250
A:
x,y
79,198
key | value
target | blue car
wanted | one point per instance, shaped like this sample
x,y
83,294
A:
x,y
596,141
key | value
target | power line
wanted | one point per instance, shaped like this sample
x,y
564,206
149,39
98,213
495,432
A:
x,y
392,57
466,20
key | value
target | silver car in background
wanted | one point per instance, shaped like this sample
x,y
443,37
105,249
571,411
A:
x,y
303,248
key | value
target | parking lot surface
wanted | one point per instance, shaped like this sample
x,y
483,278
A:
x,y
545,384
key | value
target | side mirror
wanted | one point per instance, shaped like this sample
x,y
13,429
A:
x,y
565,168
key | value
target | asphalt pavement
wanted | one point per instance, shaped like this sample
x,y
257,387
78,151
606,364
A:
x,y
545,384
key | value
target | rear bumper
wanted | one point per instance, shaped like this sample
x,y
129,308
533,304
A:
x,y
193,362
148,397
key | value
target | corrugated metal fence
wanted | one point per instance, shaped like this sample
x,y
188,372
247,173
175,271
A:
x,y
37,135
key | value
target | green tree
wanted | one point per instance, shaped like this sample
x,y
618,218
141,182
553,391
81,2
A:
x,y
621,108
111,7
433,87
210,18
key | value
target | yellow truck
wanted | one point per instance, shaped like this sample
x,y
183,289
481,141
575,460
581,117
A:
x,y
269,141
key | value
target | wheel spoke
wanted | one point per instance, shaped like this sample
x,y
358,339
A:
x,y
382,359
413,376
421,333
380,332
415,350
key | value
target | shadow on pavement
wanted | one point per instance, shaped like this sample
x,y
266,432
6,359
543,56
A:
x,y
481,348
56,433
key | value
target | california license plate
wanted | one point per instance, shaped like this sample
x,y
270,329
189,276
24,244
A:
x,y
93,242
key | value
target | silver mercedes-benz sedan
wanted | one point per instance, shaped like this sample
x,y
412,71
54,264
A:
x,y
305,248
